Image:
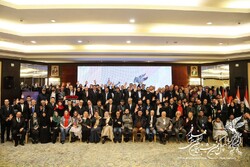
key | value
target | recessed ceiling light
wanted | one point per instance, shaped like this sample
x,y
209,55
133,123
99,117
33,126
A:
x,y
128,41
131,20
33,41
79,41
221,43
53,21
209,23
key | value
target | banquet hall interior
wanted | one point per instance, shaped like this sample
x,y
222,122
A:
x,y
170,50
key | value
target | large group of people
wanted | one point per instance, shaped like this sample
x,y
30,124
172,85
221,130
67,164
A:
x,y
94,113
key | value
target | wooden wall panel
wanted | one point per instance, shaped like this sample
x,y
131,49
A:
x,y
68,73
180,75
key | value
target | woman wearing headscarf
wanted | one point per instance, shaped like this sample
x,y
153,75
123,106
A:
x,y
55,125
86,127
76,129
59,108
96,128
44,128
65,125
107,129
34,128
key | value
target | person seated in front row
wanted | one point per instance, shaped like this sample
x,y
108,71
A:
x,y
65,125
230,123
178,127
107,129
86,127
191,125
127,125
18,128
34,128
150,127
76,129
55,126
96,128
164,127
118,127
202,124
44,128
219,129
245,129
139,126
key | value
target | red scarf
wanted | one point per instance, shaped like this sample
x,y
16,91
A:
x,y
179,108
66,120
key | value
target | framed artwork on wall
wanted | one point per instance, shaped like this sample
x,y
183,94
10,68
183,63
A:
x,y
54,71
194,71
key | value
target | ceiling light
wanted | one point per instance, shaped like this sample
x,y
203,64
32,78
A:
x,y
209,23
53,21
132,20
79,41
33,42
128,41
221,43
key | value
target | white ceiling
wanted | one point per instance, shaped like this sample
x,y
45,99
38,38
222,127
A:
x,y
171,32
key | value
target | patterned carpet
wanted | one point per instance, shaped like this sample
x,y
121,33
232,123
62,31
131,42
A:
x,y
110,154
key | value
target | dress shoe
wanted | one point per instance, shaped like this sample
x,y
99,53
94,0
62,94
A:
x,y
16,144
22,144
103,141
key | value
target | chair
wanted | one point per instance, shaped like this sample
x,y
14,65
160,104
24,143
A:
x,y
70,135
138,133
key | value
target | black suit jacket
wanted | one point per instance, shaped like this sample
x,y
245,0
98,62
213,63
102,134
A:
x,y
36,109
24,111
16,126
4,113
113,109
104,99
148,121
131,109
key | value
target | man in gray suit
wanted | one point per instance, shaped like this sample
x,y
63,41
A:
x,y
164,127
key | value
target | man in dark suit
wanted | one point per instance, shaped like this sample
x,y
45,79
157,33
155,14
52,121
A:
x,y
51,106
111,108
106,95
90,109
24,109
139,126
80,108
130,106
5,114
94,95
122,107
201,93
128,94
139,94
99,108
42,96
118,96
33,108
150,126
18,128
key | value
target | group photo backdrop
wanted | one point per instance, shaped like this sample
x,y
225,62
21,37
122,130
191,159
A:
x,y
158,76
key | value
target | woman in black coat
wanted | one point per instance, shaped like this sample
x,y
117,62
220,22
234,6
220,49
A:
x,y
86,127
44,128
34,128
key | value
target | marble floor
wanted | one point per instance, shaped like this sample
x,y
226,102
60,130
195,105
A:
x,y
110,154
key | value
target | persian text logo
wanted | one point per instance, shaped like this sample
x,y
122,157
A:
x,y
218,150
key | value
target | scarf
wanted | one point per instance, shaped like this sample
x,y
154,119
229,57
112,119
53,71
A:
x,y
56,119
66,120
